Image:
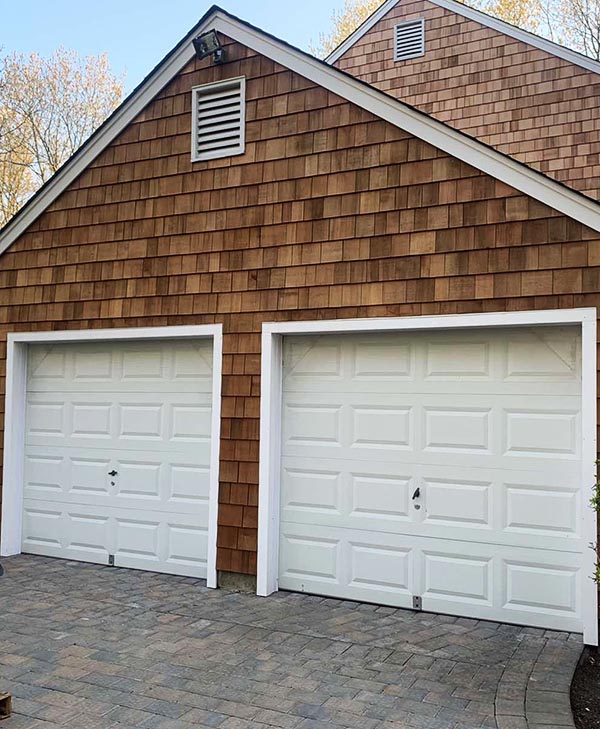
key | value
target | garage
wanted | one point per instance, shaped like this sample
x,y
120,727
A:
x,y
438,470
117,453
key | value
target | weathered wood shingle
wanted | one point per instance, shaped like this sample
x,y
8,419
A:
x,y
526,102
330,213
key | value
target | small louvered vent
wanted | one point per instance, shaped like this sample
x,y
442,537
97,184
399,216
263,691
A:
x,y
218,112
409,40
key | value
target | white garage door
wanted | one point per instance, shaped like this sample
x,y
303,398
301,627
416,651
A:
x,y
117,454
441,466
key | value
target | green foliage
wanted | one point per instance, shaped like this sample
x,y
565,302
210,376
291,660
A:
x,y
595,500
596,573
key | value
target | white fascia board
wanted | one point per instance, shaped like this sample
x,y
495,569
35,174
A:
x,y
477,16
439,135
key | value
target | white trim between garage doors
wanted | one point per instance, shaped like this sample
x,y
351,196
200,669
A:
x,y
271,421
14,431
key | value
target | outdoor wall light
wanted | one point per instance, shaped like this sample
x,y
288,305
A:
x,y
209,44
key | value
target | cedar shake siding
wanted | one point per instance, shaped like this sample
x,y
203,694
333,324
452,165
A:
x,y
525,102
329,213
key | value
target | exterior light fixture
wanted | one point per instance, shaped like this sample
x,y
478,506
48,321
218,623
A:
x,y
209,44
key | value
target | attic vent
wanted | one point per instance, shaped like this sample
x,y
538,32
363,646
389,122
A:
x,y
409,39
218,115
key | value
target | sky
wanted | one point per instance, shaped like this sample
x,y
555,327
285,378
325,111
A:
x,y
138,33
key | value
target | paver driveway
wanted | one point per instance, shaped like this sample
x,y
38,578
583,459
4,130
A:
x,y
87,647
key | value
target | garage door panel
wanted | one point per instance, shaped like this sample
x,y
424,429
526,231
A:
x,y
550,588
483,428
138,538
100,422
128,367
312,357
45,473
318,496
434,423
453,576
381,426
42,525
312,425
506,360
350,564
450,358
330,489
45,531
457,503
521,508
309,556
117,454
54,527
550,432
521,585
46,419
379,567
542,509
374,360
548,354
468,430
169,485
311,490
380,498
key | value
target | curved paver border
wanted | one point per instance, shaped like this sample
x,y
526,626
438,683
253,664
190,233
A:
x,y
534,690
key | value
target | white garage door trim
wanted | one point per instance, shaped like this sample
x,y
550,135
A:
x,y
14,432
271,422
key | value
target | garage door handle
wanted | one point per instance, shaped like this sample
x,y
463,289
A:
x,y
112,473
417,493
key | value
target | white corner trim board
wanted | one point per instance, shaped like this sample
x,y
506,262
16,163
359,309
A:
x,y
15,408
478,17
273,425
436,133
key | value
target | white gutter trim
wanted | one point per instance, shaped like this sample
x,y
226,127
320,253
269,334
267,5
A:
x,y
420,125
519,34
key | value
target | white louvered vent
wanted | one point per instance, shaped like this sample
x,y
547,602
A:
x,y
218,116
409,39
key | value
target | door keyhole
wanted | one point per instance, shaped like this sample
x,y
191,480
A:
x,y
416,496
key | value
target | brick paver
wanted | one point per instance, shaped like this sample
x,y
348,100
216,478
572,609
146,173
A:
x,y
90,647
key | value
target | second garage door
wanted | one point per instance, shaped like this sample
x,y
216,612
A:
x,y
437,468
117,453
